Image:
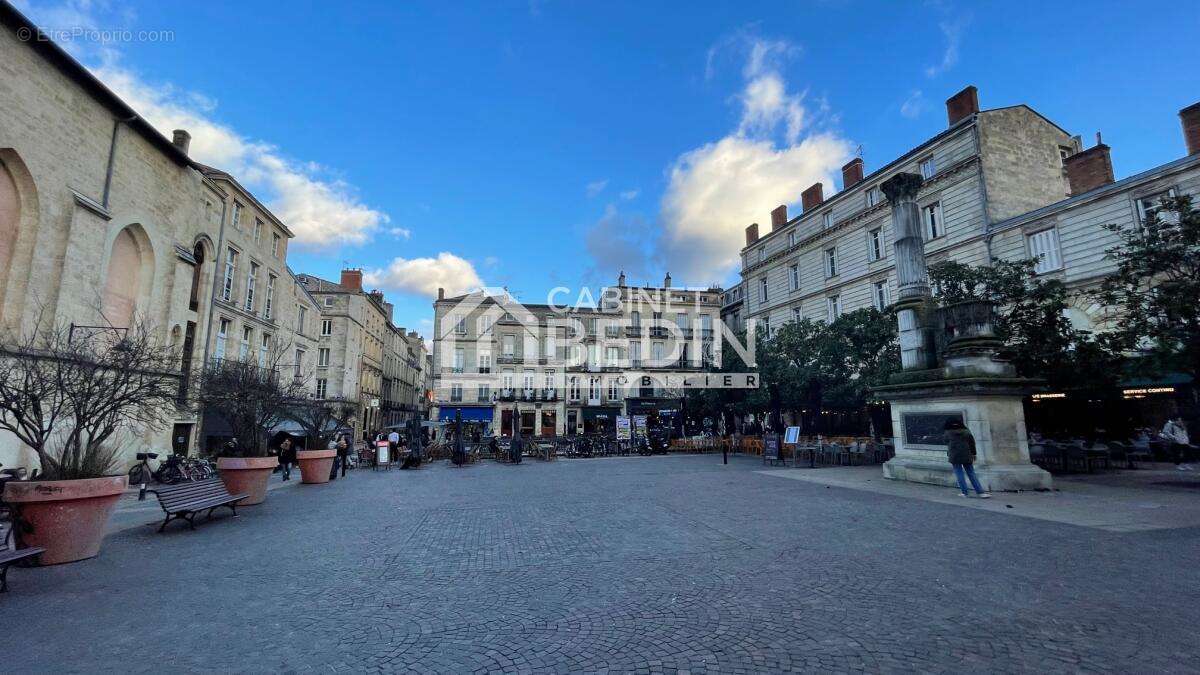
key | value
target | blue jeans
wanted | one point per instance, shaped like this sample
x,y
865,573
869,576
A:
x,y
962,483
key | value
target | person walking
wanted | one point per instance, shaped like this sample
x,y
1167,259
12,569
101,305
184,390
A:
x,y
1175,433
339,460
961,453
287,457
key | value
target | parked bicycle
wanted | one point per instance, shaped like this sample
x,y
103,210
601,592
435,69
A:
x,y
174,469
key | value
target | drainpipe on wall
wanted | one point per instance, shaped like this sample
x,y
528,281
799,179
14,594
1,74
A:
x,y
112,157
211,307
987,219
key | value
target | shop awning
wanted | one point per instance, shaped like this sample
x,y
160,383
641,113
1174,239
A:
x,y
470,413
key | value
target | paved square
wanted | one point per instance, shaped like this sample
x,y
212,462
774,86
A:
x,y
664,564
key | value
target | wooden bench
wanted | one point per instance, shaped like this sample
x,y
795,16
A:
x,y
186,500
11,557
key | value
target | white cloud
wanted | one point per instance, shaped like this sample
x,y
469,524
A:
x,y
596,187
423,276
320,210
952,31
914,105
716,190
400,232
491,261
766,102
630,195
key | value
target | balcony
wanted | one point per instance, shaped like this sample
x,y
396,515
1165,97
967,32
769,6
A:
x,y
633,331
659,333
549,394
529,395
507,394
508,358
612,331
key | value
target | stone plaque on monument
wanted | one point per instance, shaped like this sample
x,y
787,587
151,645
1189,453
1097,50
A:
x,y
927,428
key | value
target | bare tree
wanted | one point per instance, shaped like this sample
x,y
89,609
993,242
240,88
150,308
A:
x,y
322,418
250,396
65,393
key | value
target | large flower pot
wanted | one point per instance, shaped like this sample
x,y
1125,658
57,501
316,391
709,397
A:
x,y
315,465
247,475
66,517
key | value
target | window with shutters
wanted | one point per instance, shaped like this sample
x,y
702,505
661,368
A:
x,y
1043,247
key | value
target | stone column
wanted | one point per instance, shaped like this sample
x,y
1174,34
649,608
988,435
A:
x,y
914,306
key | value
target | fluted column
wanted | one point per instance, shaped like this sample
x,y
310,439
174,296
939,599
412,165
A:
x,y
913,306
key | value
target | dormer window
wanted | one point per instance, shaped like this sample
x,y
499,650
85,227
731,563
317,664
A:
x,y
873,196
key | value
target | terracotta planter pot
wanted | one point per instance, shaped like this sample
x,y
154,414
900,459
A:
x,y
68,517
247,475
315,465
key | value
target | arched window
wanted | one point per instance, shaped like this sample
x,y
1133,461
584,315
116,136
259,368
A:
x,y
197,272
123,286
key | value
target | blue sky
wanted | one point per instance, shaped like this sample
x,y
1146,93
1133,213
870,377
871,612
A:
x,y
532,144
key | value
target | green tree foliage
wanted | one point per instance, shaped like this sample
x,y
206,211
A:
x,y
1157,288
1031,319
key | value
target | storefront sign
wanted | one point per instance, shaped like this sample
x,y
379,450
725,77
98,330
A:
x,y
791,435
1145,391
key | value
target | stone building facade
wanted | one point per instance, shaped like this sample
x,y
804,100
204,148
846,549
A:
x,y
356,347
100,216
836,256
571,369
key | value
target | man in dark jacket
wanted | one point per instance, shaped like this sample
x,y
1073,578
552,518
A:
x,y
961,453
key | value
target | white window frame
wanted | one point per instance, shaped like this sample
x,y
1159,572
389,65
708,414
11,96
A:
x,y
762,290
928,168
831,262
322,387
933,221
323,356
275,241
791,238
1143,210
301,313
269,300
326,327
264,346
796,314
875,244
236,220
1050,259
833,308
258,230
881,299
508,345
231,256
872,196
223,326
247,339
794,275
827,220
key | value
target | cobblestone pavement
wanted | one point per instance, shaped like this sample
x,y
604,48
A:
x,y
664,564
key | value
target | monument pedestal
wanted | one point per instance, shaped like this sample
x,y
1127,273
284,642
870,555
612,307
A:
x,y
990,407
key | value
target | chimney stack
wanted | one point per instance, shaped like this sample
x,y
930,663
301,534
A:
x,y
852,173
963,104
621,279
752,234
779,217
1190,117
812,197
667,280
352,280
441,293
1089,169
182,140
